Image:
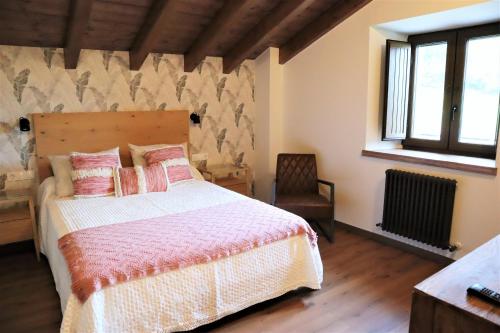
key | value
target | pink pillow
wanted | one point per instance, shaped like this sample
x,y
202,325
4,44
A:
x,y
92,174
164,154
174,161
137,180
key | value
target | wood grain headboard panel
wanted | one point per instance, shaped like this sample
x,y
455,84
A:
x,y
62,133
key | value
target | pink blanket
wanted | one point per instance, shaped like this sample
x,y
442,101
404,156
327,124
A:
x,y
104,256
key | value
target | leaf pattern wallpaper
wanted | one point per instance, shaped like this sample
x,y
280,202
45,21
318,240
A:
x,y
34,80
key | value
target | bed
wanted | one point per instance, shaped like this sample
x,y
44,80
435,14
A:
x,y
180,299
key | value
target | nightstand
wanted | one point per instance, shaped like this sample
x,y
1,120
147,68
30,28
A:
x,y
17,218
234,178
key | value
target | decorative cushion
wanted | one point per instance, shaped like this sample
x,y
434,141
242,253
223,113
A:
x,y
164,154
137,180
92,174
174,161
137,152
61,168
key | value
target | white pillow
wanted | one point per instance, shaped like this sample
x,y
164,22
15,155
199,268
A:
x,y
195,173
137,152
61,168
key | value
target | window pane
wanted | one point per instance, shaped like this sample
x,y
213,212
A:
x,y
481,92
430,68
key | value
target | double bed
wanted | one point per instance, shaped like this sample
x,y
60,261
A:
x,y
174,300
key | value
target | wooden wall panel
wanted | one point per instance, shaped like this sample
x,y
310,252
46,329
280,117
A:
x,y
61,133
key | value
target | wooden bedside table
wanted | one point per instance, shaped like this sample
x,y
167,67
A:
x,y
233,178
17,218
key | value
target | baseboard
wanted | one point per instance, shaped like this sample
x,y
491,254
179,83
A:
x,y
395,243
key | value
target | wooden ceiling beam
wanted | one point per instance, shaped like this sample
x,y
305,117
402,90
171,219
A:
x,y
257,36
77,25
228,15
151,32
340,11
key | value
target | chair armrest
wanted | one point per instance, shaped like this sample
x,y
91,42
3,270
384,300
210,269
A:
x,y
332,188
326,182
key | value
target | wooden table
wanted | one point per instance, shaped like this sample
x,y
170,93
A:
x,y
441,304
234,178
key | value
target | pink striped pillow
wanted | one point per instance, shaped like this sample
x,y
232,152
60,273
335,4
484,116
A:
x,y
137,180
164,154
92,174
174,161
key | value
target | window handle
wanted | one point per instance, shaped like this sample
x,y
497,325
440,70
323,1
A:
x,y
454,109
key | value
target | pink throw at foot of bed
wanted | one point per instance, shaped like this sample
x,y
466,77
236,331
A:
x,y
103,256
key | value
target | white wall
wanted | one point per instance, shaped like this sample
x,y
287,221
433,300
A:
x,y
268,120
331,97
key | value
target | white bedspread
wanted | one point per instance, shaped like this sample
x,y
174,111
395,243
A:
x,y
176,300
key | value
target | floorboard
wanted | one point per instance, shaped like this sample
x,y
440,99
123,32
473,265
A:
x,y
367,288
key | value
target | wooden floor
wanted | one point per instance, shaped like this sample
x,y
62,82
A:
x,y
367,288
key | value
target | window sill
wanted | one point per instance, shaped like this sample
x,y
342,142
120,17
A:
x,y
456,162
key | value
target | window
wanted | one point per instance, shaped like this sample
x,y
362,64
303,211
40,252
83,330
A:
x,y
442,91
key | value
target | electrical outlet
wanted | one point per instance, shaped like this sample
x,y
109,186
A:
x,y
199,157
14,176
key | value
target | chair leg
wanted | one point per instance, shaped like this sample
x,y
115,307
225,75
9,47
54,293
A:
x,y
332,230
328,232
332,224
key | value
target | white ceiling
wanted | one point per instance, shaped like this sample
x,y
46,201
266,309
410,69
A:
x,y
482,13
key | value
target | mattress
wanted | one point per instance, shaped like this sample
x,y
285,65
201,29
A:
x,y
177,300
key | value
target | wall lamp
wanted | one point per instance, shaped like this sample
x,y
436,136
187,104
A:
x,y
195,118
24,124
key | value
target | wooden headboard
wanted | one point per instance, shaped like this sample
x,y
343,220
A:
x,y
61,133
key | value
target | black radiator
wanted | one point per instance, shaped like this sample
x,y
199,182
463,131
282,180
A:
x,y
419,207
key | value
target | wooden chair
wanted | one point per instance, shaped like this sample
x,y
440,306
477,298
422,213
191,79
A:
x,y
296,190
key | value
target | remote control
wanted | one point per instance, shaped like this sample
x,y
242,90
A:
x,y
484,293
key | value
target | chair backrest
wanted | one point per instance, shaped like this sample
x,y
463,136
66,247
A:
x,y
296,174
